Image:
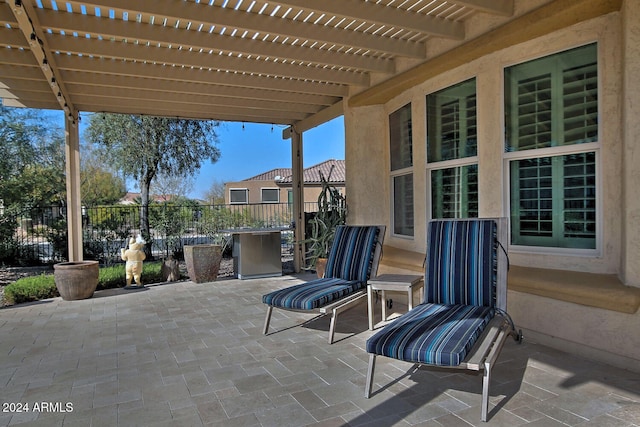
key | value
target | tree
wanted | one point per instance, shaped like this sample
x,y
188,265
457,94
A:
x,y
100,183
215,194
170,187
100,187
144,147
32,161
31,169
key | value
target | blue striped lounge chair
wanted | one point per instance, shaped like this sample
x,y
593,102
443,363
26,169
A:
x,y
461,322
353,258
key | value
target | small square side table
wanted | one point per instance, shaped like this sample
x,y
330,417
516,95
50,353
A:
x,y
392,282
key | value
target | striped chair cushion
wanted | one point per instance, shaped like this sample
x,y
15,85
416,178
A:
x,y
434,334
312,295
351,254
461,265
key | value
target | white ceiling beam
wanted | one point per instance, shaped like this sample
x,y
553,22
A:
x,y
38,105
92,104
6,16
494,7
196,115
13,38
126,94
183,87
166,72
201,13
182,57
383,15
20,57
24,85
32,73
108,28
29,95
329,113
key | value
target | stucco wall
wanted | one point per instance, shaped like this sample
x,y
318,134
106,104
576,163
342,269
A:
x,y
311,192
631,140
618,38
367,177
367,143
591,332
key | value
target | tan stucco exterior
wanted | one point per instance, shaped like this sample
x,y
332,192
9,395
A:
x,y
604,334
255,187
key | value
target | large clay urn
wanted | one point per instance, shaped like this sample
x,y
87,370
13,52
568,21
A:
x,y
203,262
76,280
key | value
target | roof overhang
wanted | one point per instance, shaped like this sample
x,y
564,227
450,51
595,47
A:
x,y
292,62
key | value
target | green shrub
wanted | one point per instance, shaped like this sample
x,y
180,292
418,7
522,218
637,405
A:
x,y
31,288
115,276
35,288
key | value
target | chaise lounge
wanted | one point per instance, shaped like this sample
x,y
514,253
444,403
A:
x,y
462,322
353,258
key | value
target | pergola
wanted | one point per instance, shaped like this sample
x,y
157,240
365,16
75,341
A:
x,y
292,62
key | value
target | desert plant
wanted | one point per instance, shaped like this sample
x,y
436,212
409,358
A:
x,y
332,212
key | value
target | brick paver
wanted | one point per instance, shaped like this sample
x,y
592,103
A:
x,y
186,354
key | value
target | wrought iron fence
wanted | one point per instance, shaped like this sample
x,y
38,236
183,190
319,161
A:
x,y
39,236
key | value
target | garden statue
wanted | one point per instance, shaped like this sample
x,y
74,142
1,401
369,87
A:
x,y
134,257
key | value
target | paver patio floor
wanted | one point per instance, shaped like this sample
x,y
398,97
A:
x,y
186,354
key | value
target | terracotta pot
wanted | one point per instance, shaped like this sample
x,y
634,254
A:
x,y
321,265
203,262
76,280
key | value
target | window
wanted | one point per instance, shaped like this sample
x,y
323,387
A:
x,y
270,195
454,192
551,117
554,200
400,140
238,196
452,163
403,204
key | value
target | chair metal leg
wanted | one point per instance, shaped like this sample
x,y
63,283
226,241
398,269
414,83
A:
x,y
332,326
338,307
486,378
369,384
267,319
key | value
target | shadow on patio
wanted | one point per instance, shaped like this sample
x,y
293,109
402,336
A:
x,y
194,354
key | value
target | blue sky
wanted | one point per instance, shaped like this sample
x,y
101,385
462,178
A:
x,y
257,148
249,149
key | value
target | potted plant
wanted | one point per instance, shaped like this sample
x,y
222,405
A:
x,y
332,212
76,280
203,260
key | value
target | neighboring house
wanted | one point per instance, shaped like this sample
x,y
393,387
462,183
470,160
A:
x,y
132,198
274,186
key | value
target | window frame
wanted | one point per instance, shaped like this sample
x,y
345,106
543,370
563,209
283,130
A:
x,y
401,172
397,174
246,192
459,162
262,200
557,151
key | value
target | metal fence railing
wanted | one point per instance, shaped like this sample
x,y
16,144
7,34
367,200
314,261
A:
x,y
39,236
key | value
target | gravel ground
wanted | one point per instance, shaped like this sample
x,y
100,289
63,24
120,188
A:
x,y
9,275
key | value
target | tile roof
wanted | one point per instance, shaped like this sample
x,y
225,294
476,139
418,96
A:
x,y
271,175
333,170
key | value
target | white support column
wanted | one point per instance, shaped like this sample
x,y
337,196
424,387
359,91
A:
x,y
297,186
74,207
